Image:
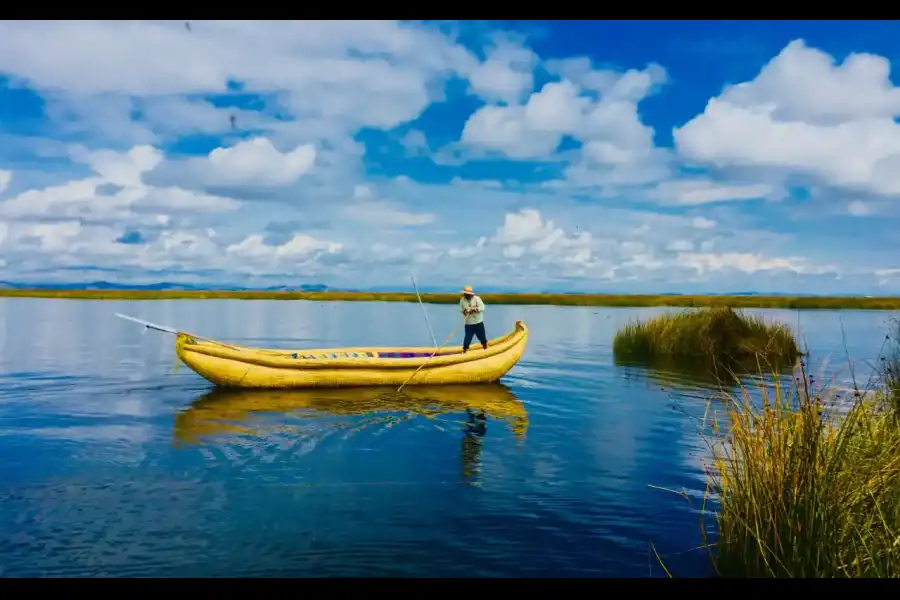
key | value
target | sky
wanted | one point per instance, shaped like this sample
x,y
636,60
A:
x,y
645,156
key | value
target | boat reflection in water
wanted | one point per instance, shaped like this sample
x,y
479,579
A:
x,y
241,412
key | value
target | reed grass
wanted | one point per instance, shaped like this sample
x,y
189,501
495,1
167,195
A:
x,y
717,338
890,365
806,486
807,481
607,300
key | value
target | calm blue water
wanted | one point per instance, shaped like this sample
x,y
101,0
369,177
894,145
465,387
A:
x,y
112,463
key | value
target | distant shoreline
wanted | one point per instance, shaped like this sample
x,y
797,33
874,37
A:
x,y
605,300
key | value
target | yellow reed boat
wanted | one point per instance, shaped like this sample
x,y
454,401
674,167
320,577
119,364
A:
x,y
247,367
231,411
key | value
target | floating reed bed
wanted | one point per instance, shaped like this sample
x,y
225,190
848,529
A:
x,y
717,339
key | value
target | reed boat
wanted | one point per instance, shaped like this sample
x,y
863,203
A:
x,y
224,411
234,366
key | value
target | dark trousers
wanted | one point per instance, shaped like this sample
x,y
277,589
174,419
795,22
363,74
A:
x,y
476,330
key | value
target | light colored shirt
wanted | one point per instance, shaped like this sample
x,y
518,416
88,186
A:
x,y
476,317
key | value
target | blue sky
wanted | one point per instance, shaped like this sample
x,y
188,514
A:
x,y
593,156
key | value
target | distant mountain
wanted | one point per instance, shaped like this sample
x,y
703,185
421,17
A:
x,y
312,287
164,285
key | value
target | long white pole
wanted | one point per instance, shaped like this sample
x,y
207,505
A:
x,y
148,325
425,314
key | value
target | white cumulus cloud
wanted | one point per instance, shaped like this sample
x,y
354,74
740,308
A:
x,y
355,152
257,161
805,114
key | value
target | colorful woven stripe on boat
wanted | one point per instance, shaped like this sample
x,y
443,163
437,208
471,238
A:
x,y
327,355
334,355
410,354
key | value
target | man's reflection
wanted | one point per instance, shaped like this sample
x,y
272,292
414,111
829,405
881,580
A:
x,y
473,430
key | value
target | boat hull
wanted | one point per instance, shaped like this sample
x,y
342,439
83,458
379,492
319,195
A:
x,y
263,368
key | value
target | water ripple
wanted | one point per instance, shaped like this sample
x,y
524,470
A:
x,y
114,463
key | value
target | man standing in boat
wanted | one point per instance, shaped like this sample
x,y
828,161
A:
x,y
472,308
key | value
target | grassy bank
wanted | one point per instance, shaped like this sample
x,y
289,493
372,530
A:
x,y
807,486
713,338
789,302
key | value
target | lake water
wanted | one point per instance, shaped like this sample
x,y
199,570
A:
x,y
115,463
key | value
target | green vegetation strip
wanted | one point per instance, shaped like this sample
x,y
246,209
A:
x,y
611,300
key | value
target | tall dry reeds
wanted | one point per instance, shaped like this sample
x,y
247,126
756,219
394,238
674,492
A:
x,y
807,482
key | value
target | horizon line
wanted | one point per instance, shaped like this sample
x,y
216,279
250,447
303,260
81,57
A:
x,y
191,289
